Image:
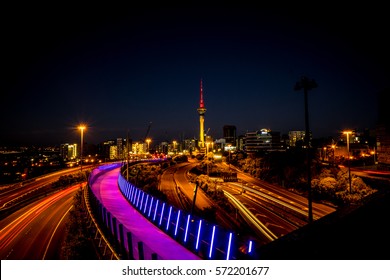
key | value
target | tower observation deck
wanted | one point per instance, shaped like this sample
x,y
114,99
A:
x,y
201,112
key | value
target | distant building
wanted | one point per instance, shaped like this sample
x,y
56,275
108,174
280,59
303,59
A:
x,y
219,144
113,152
163,148
383,130
262,140
114,149
105,148
189,146
296,136
68,151
229,134
240,143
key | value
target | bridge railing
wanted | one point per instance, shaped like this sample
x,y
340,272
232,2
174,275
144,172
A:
x,y
115,238
207,240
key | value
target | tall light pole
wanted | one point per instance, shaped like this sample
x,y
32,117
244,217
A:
x,y
82,128
348,132
230,147
127,156
174,146
207,157
148,141
333,155
306,84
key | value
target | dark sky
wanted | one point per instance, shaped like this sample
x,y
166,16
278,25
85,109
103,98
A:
x,y
119,68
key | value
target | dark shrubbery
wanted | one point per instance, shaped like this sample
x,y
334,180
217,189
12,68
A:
x,y
78,243
146,177
71,179
289,170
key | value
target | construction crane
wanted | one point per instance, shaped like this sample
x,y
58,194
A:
x,y
147,132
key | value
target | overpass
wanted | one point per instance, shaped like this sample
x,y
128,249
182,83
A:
x,y
145,228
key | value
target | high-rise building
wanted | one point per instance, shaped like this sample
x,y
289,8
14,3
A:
x,y
229,134
113,152
201,111
189,146
119,145
296,136
259,140
106,149
68,151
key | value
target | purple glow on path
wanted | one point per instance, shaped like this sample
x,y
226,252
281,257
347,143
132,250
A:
x,y
105,187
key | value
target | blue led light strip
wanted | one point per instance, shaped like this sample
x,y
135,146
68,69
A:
x,y
169,217
155,211
197,239
212,243
150,208
146,202
187,226
177,222
142,200
162,212
229,245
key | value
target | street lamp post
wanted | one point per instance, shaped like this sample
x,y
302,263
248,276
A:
x,y
82,128
148,141
349,159
306,84
229,154
194,198
207,157
333,155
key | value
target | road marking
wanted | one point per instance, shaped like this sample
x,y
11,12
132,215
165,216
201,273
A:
x,y
52,235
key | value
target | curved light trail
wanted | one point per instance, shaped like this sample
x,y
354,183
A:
x,y
29,232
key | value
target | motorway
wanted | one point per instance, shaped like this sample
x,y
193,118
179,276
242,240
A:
x,y
180,193
11,194
270,211
35,231
283,197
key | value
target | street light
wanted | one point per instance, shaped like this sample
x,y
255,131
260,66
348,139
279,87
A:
x,y
207,157
324,156
82,128
148,141
333,156
306,84
348,132
174,146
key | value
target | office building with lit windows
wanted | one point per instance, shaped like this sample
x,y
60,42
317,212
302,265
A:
x,y
262,140
68,151
296,136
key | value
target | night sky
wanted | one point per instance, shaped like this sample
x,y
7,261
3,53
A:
x,y
117,69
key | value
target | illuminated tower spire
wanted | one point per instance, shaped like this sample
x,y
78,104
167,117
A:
x,y
201,111
201,103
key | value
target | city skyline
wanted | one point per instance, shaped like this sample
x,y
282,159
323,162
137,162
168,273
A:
x,y
118,70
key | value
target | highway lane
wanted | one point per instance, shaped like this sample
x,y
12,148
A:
x,y
13,193
265,207
35,231
279,210
284,197
169,186
176,183
278,224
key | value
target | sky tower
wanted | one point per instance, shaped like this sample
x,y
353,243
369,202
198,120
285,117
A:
x,y
201,111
